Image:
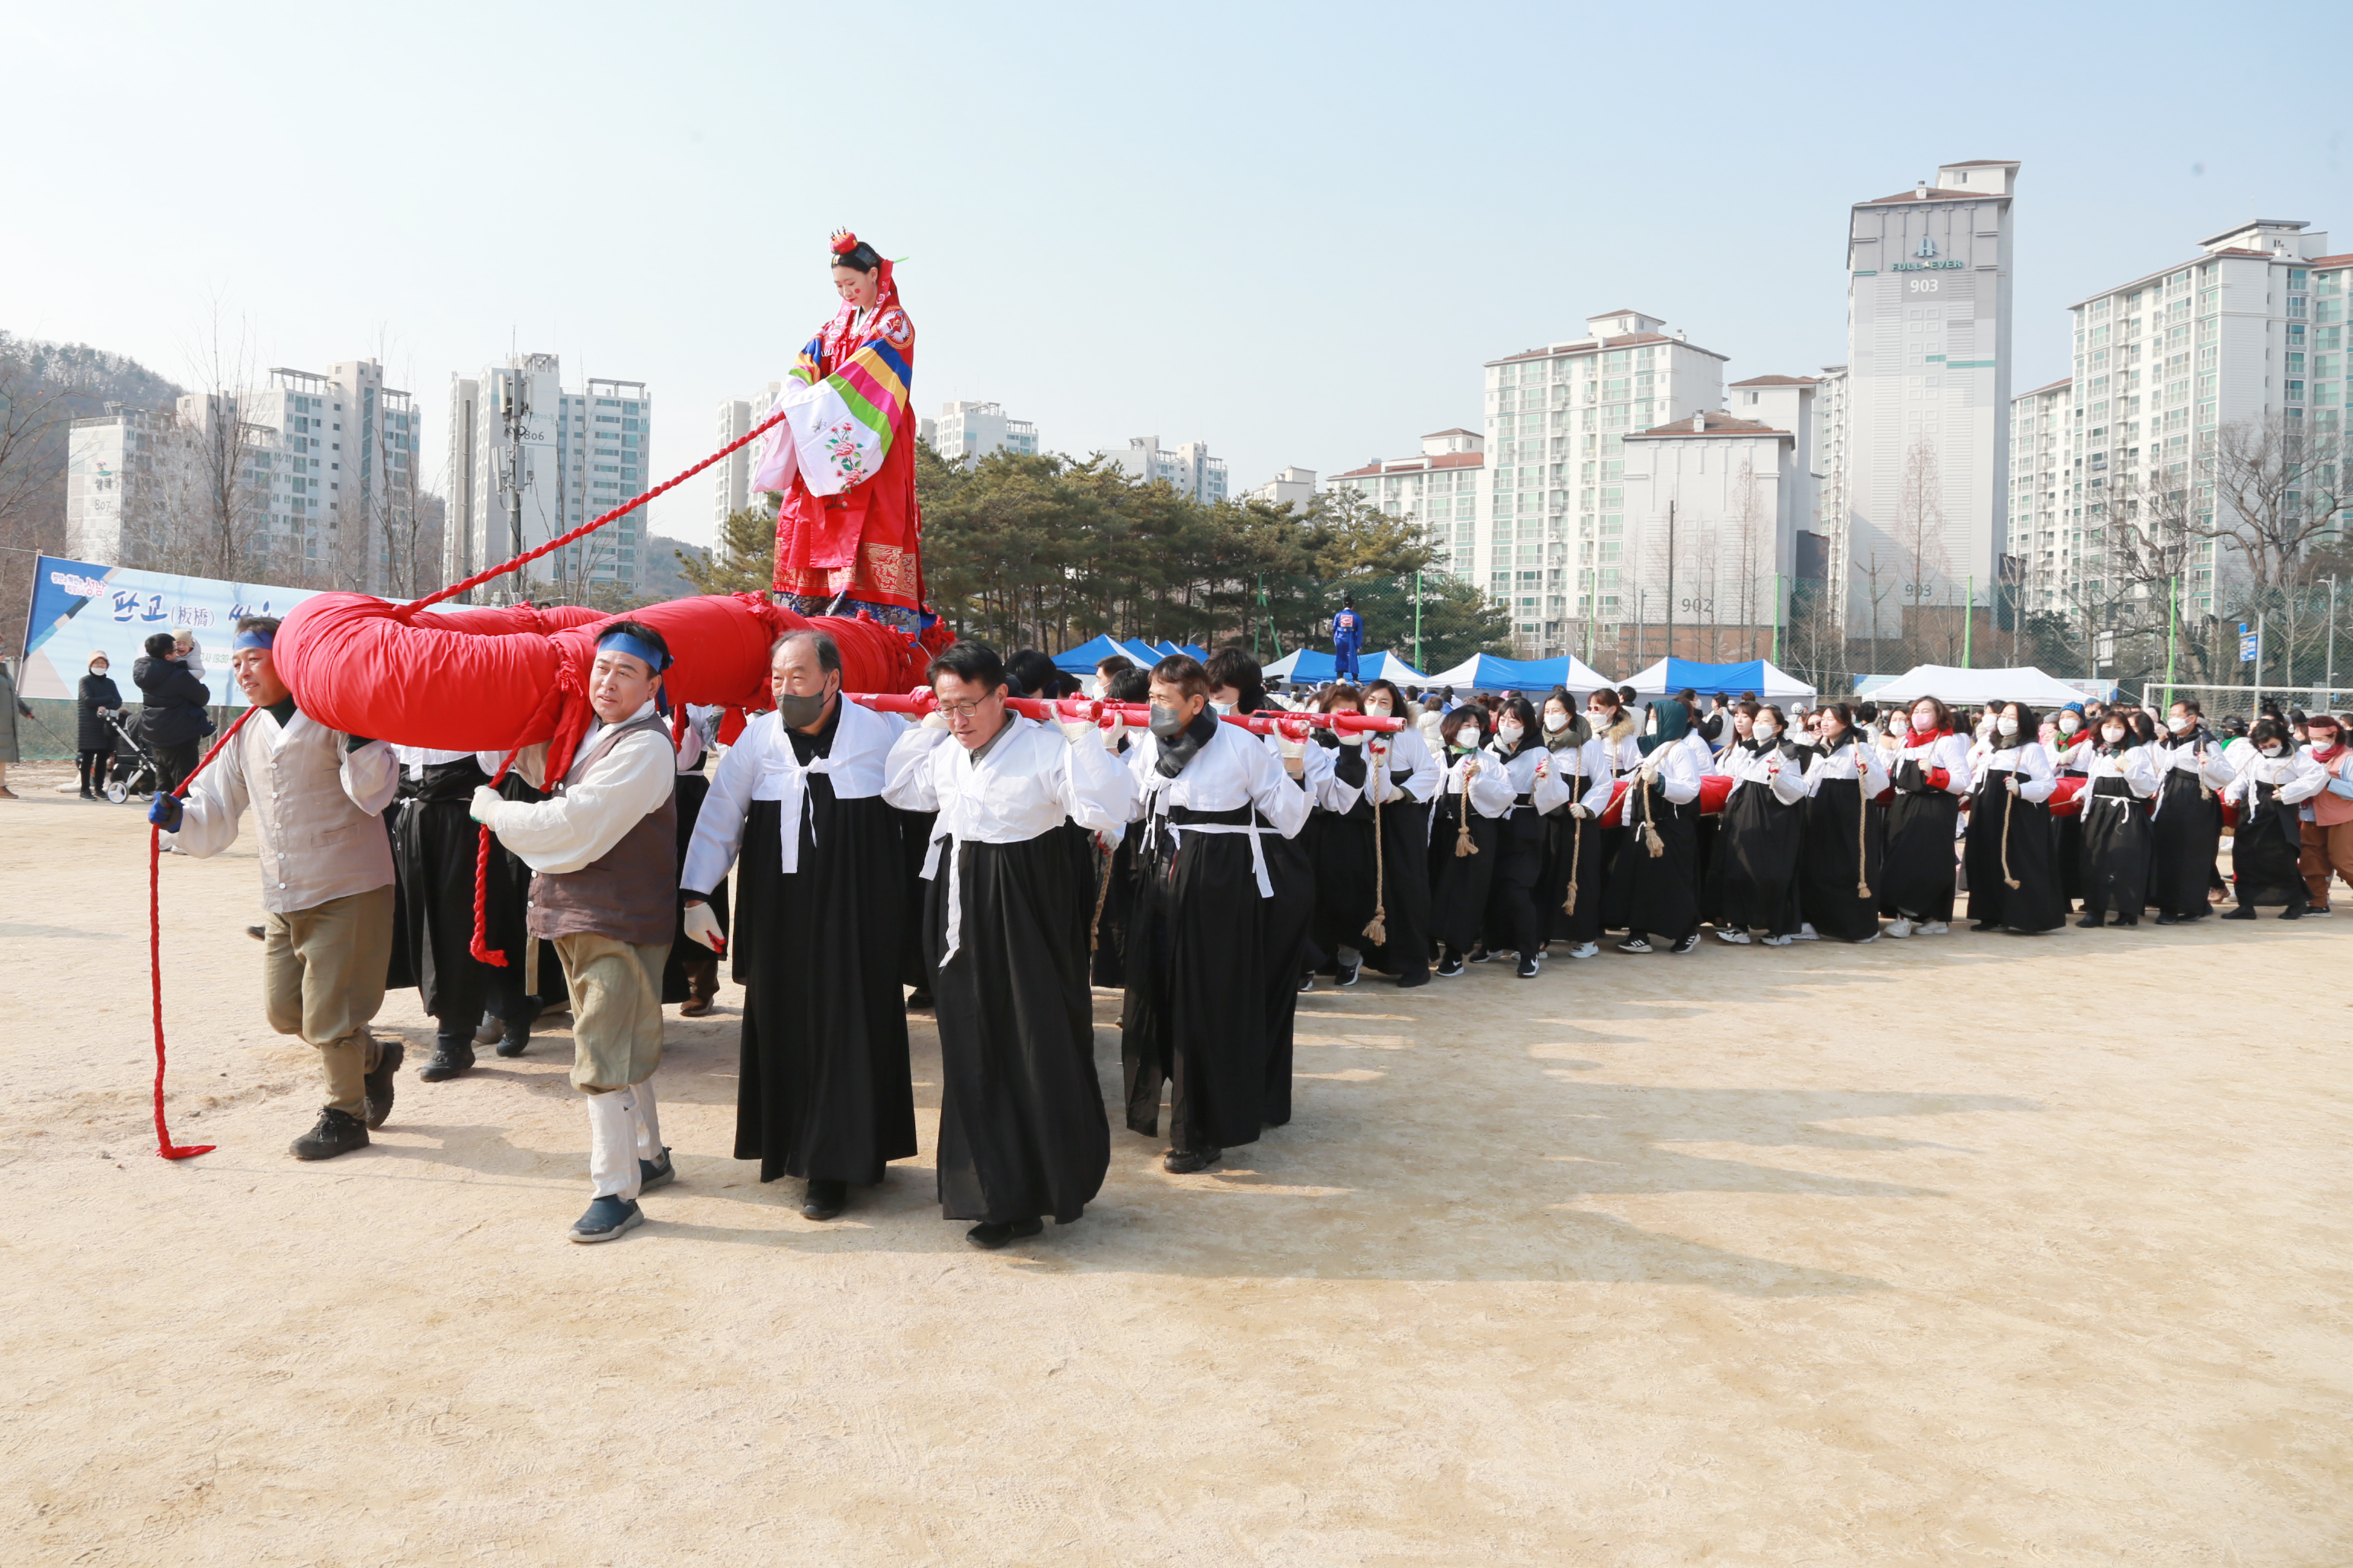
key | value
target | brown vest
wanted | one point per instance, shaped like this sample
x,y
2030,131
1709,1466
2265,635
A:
x,y
629,895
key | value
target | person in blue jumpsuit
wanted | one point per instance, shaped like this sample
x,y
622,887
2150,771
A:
x,y
1347,636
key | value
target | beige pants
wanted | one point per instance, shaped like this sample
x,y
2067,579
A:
x,y
2326,849
616,1016
323,978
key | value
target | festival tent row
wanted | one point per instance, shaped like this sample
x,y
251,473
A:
x,y
1312,667
1761,676
1082,659
1485,672
1976,687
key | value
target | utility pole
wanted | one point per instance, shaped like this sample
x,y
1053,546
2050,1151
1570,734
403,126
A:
x,y
2172,616
1417,620
2258,661
2331,676
1671,580
1968,621
514,419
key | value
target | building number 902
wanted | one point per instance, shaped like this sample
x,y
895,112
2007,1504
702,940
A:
x,y
1923,285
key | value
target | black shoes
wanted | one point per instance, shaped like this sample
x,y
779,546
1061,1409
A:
x,y
992,1235
919,999
1478,954
2090,922
1185,1162
390,1055
2293,913
1449,963
824,1199
1307,982
1685,942
608,1219
2169,920
652,1173
1527,970
2244,912
516,1038
338,1133
1636,943
453,1053
1347,973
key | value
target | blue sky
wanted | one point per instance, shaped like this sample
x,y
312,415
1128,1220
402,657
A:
x,y
1291,231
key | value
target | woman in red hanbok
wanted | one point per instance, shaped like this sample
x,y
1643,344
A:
x,y
847,535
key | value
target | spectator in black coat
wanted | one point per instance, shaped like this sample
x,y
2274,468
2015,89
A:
x,y
94,699
11,707
174,719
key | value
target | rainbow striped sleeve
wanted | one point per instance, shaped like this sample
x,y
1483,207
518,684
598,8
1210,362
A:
x,y
874,385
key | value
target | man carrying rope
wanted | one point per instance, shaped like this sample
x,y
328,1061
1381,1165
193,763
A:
x,y
317,796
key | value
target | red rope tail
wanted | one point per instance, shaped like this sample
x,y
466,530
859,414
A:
x,y
165,1147
627,506
480,947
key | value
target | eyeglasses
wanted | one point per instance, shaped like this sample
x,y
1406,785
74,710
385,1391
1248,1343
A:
x,y
955,711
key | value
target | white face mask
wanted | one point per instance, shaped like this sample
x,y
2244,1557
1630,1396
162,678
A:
x,y
1555,722
2270,751
2180,726
2112,737
1510,734
1597,717
1466,738
1378,707
2069,723
1221,708
2006,726
1763,731
1352,737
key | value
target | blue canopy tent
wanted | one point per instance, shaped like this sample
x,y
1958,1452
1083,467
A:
x,y
1758,674
1533,677
1082,660
1312,667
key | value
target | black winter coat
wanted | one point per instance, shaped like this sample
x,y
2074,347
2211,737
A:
x,y
96,691
176,701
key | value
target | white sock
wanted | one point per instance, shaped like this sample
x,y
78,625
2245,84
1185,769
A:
x,y
613,1145
650,1143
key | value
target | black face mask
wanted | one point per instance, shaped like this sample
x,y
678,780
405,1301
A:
x,y
1167,722
797,713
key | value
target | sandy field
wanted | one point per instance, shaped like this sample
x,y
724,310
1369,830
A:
x,y
1971,1250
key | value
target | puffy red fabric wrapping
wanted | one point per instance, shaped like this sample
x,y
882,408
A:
x,y
492,679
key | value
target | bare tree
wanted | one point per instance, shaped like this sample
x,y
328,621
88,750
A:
x,y
2276,493
1920,529
1754,545
35,413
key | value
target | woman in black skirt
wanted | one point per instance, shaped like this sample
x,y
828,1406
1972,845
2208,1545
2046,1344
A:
x,y
1473,793
2119,778
2187,816
2272,784
1342,848
1754,872
1845,845
1657,870
1568,888
2013,881
2069,742
1514,920
1930,767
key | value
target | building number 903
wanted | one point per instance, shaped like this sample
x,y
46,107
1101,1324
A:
x,y
1923,285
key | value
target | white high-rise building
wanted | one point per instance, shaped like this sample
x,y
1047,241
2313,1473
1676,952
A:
x,y
1714,504
1438,488
323,487
1924,436
1551,533
2250,331
1189,469
966,432
2042,441
581,454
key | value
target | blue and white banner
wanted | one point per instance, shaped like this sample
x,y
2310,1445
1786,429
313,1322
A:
x,y
80,609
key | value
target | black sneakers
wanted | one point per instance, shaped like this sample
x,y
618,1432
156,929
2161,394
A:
x,y
338,1133
1347,973
1685,942
516,1037
390,1055
652,1173
824,1199
1527,970
1449,963
450,1057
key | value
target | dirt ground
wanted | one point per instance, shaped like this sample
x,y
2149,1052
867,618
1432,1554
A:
x,y
1970,1250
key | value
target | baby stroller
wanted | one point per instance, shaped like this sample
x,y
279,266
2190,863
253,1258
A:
x,y
134,770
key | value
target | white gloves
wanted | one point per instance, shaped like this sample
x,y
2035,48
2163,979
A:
x,y
702,926
1113,733
2010,782
1074,730
485,807
1579,811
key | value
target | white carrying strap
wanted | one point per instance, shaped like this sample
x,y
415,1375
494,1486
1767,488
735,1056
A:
x,y
1176,831
792,802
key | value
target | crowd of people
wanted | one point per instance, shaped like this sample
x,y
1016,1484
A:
x,y
991,867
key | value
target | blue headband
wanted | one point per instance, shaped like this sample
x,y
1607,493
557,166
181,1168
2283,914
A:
x,y
624,642
254,637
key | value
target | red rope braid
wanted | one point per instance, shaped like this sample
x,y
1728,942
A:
x,y
566,680
164,1144
627,506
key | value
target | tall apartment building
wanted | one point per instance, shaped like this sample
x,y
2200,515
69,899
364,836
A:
x,y
579,453
1189,469
1924,443
323,484
1714,504
2250,331
2042,444
966,432
1555,493
1437,488
732,477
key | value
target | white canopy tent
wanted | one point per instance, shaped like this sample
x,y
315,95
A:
x,y
1771,683
1534,677
1976,687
